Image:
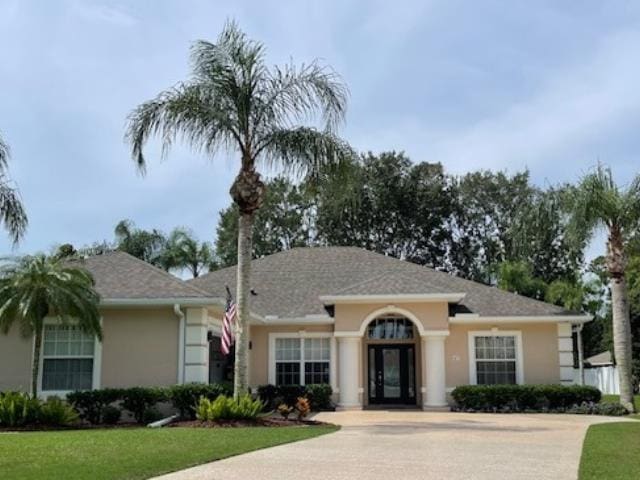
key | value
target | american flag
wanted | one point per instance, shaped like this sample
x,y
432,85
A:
x,y
228,323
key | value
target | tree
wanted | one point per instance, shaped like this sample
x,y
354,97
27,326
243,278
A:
x,y
182,250
281,223
599,202
394,207
145,245
12,212
234,101
518,277
32,288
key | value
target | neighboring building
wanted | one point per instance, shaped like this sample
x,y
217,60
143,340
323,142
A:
x,y
379,330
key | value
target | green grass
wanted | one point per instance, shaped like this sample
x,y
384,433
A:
x,y
132,453
611,451
616,399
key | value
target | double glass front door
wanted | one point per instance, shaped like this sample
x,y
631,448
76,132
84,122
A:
x,y
392,374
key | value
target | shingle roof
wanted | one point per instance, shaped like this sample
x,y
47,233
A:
x,y
288,284
119,275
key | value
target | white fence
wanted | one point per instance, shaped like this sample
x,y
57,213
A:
x,y
603,378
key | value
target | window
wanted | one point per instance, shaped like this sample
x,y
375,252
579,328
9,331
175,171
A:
x,y
495,358
302,361
390,327
67,358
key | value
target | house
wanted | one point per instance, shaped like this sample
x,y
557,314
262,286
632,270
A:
x,y
381,331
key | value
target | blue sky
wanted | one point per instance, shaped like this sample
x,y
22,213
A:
x,y
550,86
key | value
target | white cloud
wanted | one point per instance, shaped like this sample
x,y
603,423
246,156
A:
x,y
111,14
577,105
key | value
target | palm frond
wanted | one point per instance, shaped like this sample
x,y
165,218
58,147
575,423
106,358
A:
x,y
12,211
306,151
202,118
5,153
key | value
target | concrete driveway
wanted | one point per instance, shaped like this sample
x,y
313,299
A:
x,y
396,445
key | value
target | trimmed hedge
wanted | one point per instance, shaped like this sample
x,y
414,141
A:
x,y
319,396
519,398
90,404
97,406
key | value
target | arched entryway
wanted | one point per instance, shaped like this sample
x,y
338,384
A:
x,y
392,366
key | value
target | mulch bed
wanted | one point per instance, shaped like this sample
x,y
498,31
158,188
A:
x,y
78,426
259,422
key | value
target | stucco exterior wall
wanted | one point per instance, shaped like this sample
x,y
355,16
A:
x,y
539,352
15,361
433,316
259,354
140,347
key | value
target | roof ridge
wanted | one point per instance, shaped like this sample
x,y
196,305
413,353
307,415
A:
x,y
160,271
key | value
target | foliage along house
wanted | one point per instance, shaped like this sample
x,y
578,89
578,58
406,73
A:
x,y
379,330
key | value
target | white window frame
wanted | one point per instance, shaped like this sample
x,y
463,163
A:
x,y
473,374
97,363
302,336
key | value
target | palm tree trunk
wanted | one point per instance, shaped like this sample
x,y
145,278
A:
x,y
245,232
35,368
622,339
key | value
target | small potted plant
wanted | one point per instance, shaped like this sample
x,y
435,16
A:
x,y
285,410
303,407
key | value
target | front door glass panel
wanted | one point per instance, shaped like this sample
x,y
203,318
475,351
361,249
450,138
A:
x,y
391,372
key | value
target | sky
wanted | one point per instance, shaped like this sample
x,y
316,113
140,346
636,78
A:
x,y
505,85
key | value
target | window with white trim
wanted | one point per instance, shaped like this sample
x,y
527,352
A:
x,y
302,361
67,358
496,359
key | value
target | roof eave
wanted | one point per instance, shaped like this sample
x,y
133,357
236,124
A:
x,y
472,319
409,297
150,302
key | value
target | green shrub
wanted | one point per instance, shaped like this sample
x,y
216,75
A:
x,y
138,399
150,415
184,398
111,415
268,394
226,408
289,394
319,397
55,412
91,403
518,398
18,409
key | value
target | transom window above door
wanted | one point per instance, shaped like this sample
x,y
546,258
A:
x,y
390,327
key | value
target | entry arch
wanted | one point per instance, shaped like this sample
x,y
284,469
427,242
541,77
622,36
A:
x,y
388,310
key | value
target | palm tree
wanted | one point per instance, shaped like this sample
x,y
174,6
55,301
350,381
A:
x,y
143,244
234,101
184,251
599,202
32,288
12,212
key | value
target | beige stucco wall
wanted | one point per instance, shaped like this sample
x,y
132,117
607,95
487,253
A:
x,y
15,361
539,352
433,316
259,355
140,347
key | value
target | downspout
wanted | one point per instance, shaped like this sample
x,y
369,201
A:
x,y
580,353
181,335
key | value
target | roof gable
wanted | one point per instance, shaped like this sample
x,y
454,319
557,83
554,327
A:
x,y
289,284
119,275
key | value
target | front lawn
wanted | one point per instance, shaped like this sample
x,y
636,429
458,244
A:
x,y
616,399
132,453
611,451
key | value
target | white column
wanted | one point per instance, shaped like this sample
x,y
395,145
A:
x,y
434,367
348,377
196,352
565,353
